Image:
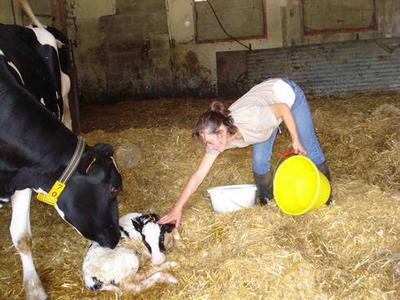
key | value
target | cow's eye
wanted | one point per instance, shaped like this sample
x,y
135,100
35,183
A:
x,y
114,191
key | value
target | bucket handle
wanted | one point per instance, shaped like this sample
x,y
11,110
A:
x,y
288,151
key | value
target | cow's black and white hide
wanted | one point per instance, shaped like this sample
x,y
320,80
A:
x,y
118,269
38,58
35,149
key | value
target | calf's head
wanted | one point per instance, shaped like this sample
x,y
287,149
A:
x,y
156,237
89,201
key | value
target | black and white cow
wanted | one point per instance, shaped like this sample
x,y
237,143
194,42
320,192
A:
x,y
35,149
118,269
39,59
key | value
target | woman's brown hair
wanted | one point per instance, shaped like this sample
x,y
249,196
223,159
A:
x,y
213,119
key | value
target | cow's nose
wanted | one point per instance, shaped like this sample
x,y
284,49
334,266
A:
x,y
110,241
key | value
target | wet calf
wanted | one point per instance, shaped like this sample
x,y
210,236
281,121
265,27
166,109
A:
x,y
118,269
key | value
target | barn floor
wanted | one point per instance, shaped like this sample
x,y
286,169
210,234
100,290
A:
x,y
349,250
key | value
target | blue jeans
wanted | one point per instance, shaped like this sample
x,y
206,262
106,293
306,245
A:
x,y
302,116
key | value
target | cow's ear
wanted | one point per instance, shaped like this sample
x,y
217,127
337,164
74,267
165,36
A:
x,y
106,149
87,160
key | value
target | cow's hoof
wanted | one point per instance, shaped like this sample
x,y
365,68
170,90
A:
x,y
34,290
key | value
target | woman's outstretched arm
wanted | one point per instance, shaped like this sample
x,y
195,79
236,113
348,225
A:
x,y
191,186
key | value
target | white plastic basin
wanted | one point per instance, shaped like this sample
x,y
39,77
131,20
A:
x,y
232,197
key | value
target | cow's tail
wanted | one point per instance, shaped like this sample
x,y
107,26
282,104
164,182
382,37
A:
x,y
27,10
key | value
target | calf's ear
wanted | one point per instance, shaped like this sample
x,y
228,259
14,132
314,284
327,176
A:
x,y
144,219
154,217
106,149
167,227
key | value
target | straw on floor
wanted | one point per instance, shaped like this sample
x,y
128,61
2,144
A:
x,y
349,250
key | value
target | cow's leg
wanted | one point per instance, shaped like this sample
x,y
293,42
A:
x,y
21,236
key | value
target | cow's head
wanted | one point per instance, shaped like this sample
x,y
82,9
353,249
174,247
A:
x,y
89,201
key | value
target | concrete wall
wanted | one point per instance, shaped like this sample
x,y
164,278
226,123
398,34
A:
x,y
124,50
239,18
40,7
129,49
90,53
6,13
201,77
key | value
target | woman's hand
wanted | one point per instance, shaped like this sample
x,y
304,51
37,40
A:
x,y
174,215
283,111
298,148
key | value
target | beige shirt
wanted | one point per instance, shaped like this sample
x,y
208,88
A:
x,y
253,116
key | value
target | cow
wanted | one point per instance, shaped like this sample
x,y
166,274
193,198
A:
x,y
118,269
52,47
38,152
39,59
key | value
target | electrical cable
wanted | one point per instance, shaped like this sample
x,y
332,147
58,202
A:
x,y
223,29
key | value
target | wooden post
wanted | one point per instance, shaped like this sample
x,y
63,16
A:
x,y
60,14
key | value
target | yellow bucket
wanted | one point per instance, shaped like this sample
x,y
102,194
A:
x,y
299,186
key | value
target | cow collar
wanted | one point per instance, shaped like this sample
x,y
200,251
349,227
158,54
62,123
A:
x,y
52,196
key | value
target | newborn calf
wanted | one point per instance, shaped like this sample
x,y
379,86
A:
x,y
117,269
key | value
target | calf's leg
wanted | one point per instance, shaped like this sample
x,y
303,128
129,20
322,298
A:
x,y
144,280
157,277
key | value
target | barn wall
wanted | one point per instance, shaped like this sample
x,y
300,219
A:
x,y
239,18
130,49
331,69
90,53
6,15
124,50
41,8
285,28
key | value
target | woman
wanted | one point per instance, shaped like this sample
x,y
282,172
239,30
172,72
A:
x,y
254,119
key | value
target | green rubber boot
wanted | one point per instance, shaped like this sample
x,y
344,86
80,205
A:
x,y
264,187
323,168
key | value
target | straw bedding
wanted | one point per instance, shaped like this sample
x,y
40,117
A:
x,y
350,250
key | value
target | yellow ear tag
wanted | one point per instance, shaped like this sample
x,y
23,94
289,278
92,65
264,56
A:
x,y
52,196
